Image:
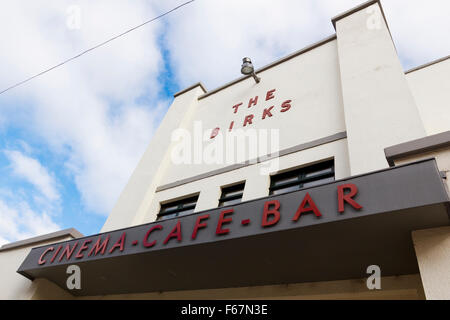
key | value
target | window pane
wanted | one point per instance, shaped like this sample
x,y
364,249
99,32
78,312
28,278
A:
x,y
318,182
230,202
168,207
318,172
314,175
175,208
235,192
280,180
189,203
227,193
168,216
288,189
185,212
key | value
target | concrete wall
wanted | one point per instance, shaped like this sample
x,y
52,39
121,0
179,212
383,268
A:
x,y
431,90
310,80
433,255
379,107
17,287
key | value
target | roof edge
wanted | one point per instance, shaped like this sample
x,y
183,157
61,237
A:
x,y
198,84
429,64
418,146
74,233
356,9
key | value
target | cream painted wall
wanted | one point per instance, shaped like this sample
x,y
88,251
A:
x,y
431,89
433,255
379,107
15,286
310,80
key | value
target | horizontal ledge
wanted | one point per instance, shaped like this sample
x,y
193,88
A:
x,y
353,10
71,232
414,147
297,148
198,84
426,65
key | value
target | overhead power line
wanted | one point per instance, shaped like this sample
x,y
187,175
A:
x,y
95,47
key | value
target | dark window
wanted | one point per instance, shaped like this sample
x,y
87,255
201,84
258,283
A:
x,y
231,195
177,208
302,178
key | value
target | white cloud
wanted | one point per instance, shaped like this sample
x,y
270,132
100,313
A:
x,y
208,39
19,222
33,172
86,111
3,241
27,211
419,29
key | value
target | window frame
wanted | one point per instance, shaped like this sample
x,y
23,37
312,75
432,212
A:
x,y
180,204
232,188
301,174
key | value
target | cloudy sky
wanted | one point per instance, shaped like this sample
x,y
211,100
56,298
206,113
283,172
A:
x,y
70,139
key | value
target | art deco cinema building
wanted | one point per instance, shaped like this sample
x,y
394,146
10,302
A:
x,y
357,182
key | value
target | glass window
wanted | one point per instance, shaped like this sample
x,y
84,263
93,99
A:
x,y
177,208
231,195
302,178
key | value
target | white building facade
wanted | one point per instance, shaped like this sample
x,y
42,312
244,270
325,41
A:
x,y
342,166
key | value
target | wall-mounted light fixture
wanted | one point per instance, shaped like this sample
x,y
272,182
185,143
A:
x,y
248,69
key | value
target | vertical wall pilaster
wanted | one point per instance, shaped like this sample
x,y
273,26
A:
x,y
379,108
433,256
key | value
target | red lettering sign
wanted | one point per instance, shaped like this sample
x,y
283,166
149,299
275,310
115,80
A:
x,y
214,133
67,251
97,246
271,215
231,126
56,253
266,112
274,213
253,101
248,119
223,220
119,243
285,106
175,233
270,95
347,197
84,246
199,225
236,107
151,244
307,201
41,258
